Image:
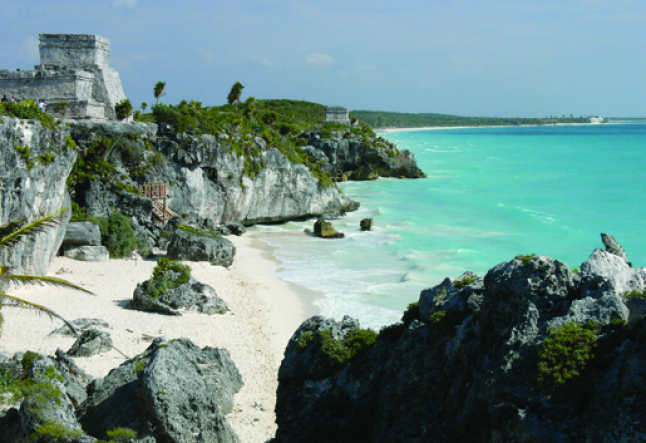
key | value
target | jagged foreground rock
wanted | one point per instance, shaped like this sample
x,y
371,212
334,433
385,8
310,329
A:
x,y
174,392
465,369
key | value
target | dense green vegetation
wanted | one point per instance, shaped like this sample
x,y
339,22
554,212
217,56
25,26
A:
x,y
277,122
383,119
632,294
394,332
160,282
27,110
118,236
565,353
339,352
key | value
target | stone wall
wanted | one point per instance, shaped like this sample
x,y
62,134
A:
x,y
74,50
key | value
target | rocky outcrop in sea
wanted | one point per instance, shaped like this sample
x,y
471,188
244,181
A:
x,y
531,352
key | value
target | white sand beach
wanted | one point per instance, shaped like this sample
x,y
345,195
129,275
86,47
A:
x,y
264,313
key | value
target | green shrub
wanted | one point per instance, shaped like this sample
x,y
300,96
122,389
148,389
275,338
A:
x,y
46,159
446,321
411,313
53,431
125,433
123,109
632,294
464,281
525,259
118,236
575,271
197,232
304,340
565,353
358,343
160,283
391,332
27,110
28,360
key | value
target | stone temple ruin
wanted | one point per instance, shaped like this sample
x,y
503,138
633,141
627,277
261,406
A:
x,y
337,114
73,78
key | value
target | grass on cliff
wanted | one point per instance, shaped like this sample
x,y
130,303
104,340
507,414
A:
x,y
27,110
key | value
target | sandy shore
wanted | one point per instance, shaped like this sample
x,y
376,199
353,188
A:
x,y
265,312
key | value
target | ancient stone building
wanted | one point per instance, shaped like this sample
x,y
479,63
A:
x,y
337,114
73,78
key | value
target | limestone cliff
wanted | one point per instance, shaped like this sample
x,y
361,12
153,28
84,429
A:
x,y
532,352
34,163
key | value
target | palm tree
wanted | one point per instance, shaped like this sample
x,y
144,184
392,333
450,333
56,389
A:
x,y
159,90
144,105
234,95
10,235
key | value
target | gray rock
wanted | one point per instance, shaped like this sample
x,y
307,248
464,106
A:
x,y
47,403
468,365
194,247
87,253
613,247
29,193
174,389
82,234
91,342
366,224
604,272
189,296
236,228
81,324
75,379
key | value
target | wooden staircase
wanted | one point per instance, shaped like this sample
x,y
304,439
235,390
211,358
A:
x,y
158,192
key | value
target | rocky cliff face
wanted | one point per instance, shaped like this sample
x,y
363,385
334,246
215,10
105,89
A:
x,y
349,157
35,162
210,183
483,360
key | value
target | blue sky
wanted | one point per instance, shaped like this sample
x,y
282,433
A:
x,y
486,58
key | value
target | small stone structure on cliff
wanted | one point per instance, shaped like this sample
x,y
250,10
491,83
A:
x,y
337,114
73,78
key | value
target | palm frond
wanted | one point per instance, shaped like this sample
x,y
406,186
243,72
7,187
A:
x,y
18,279
36,226
17,301
11,227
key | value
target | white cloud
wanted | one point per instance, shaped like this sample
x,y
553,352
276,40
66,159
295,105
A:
x,y
319,59
29,52
130,4
367,67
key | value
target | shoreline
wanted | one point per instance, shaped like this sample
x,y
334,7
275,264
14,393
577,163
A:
x,y
434,128
264,313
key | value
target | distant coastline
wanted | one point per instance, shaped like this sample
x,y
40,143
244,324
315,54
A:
x,y
388,130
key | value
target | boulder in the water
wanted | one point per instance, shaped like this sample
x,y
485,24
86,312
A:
x,y
366,224
324,229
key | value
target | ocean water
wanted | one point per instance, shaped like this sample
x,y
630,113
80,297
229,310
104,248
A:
x,y
491,194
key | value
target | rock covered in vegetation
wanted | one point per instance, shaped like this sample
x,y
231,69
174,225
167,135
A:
x,y
349,154
35,162
532,352
192,244
47,410
324,229
172,288
174,391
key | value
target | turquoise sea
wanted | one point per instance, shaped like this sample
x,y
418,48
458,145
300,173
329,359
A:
x,y
491,194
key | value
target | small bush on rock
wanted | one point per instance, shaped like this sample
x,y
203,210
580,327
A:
x,y
632,294
525,259
464,281
565,353
161,282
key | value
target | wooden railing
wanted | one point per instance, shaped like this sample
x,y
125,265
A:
x,y
158,192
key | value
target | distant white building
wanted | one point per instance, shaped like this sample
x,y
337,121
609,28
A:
x,y
595,119
337,114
